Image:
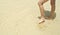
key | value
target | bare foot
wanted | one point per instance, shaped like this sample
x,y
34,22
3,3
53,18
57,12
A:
x,y
44,17
42,20
50,17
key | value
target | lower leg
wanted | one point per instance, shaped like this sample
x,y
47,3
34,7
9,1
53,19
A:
x,y
52,8
40,4
42,12
41,9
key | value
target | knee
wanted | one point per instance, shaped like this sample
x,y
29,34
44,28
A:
x,y
40,3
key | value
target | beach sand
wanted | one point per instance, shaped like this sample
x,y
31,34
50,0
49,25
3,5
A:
x,y
20,17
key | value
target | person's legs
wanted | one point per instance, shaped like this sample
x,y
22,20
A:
x,y
40,4
52,2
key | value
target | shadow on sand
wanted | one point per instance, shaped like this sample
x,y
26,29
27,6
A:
x,y
47,13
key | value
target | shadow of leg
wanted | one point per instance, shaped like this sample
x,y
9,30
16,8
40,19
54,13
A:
x,y
47,14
